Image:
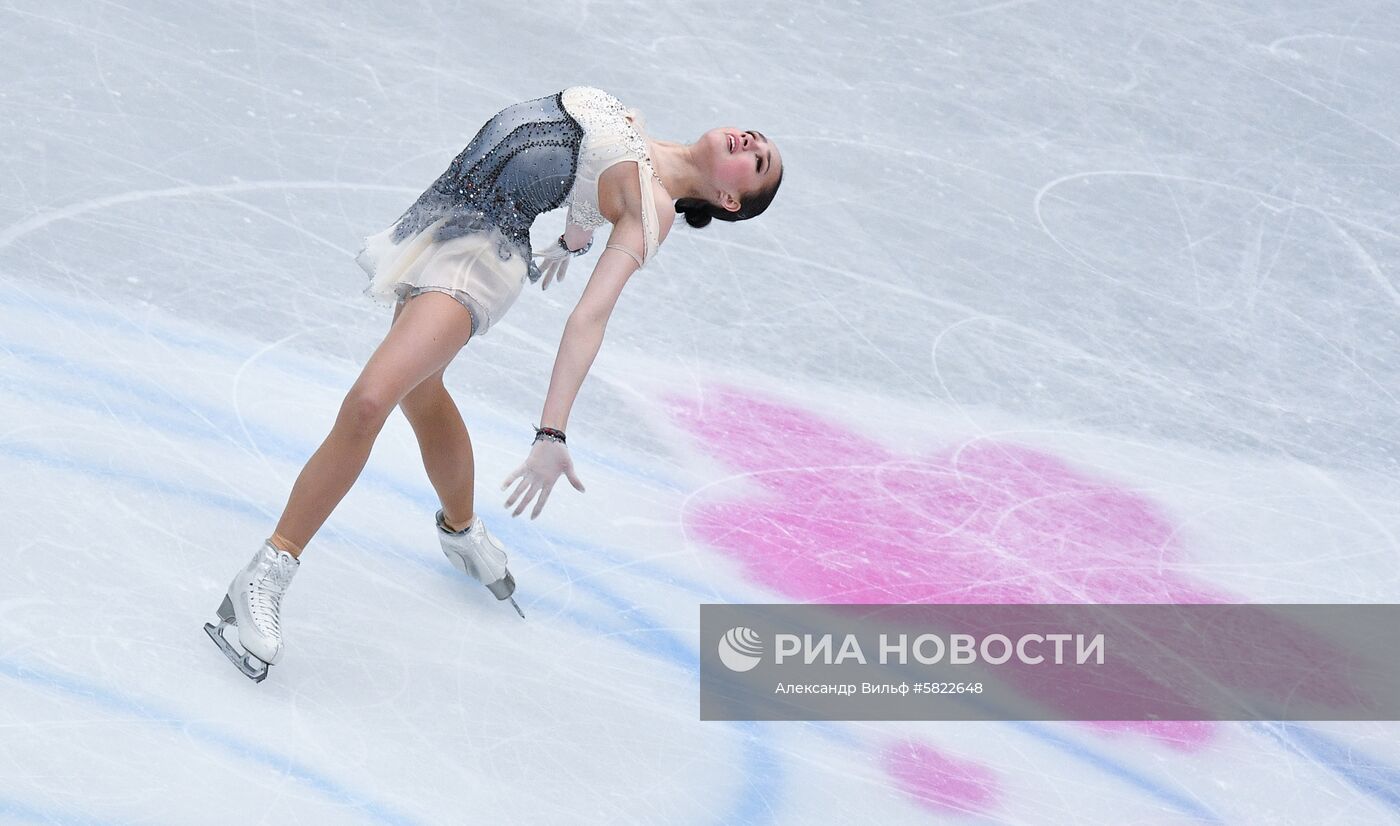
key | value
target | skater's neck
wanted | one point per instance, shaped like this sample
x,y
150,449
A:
x,y
678,169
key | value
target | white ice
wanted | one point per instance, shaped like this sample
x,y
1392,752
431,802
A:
x,y
1157,242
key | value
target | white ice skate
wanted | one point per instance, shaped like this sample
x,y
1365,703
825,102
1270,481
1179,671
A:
x,y
474,551
253,605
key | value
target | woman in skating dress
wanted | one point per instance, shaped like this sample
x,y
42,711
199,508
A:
x,y
451,266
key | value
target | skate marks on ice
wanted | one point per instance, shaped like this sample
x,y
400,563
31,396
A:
x,y
44,219
940,781
79,391
741,437
846,522
762,754
818,512
153,714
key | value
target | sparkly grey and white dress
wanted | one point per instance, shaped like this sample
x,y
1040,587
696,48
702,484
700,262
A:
x,y
468,235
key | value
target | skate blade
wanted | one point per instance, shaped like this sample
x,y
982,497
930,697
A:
x,y
500,589
240,660
503,588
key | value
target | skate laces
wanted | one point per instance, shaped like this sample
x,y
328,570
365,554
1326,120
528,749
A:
x,y
482,543
268,590
479,550
487,550
489,541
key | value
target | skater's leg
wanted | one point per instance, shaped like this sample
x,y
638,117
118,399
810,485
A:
x,y
447,457
445,445
421,342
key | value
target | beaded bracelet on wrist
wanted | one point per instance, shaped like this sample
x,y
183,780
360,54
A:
x,y
550,433
565,247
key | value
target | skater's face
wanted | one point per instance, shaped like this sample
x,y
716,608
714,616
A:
x,y
742,162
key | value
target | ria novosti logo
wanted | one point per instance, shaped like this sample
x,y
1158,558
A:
x,y
740,649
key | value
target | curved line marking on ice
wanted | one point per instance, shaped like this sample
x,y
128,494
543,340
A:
x,y
14,232
760,772
485,418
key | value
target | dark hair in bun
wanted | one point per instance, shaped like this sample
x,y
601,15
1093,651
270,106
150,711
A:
x,y
699,212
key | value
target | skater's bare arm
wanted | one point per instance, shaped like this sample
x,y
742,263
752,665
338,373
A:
x,y
620,201
583,332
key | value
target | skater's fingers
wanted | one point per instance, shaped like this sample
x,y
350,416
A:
x,y
515,474
572,476
524,502
573,479
544,496
529,491
519,489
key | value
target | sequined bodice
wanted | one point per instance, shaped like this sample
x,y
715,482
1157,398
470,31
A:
x,y
530,158
520,163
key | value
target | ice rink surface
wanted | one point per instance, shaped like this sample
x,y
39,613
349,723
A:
x,y
1085,302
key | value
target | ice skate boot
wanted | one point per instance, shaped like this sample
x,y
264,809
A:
x,y
253,605
473,550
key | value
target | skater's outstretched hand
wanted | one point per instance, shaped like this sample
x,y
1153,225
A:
x,y
541,469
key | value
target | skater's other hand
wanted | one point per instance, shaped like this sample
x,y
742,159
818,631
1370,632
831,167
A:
x,y
553,263
540,470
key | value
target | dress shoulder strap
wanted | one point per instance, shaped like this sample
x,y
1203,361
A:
x,y
646,175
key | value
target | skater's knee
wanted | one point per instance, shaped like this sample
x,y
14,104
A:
x,y
365,410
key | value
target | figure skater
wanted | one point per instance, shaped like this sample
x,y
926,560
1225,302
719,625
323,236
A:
x,y
452,266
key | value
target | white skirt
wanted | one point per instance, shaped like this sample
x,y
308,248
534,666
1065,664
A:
x,y
467,268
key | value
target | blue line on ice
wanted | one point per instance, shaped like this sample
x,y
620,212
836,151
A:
x,y
100,695
1362,771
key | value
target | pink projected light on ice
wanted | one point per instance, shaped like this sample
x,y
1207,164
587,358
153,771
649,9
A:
x,y
821,513
938,781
